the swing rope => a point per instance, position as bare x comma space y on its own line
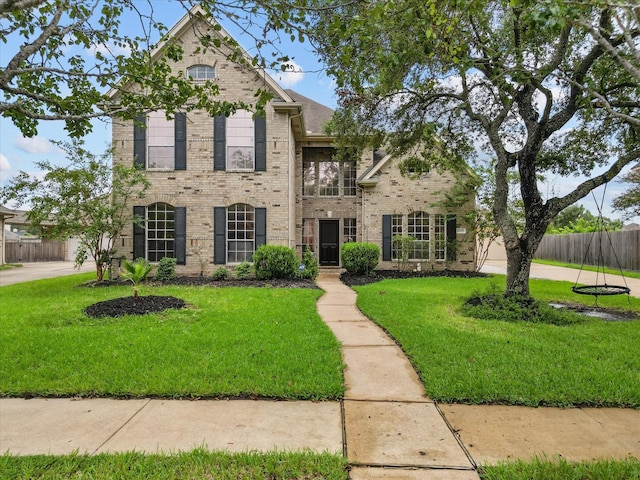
601, 289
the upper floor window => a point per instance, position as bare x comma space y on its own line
160, 142
201, 73
328, 179
240, 141
349, 178
325, 177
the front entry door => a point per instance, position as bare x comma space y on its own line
329, 243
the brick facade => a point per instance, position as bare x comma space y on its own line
278, 190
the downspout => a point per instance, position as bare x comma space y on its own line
292, 184
362, 218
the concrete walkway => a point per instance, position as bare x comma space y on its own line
386, 426
391, 429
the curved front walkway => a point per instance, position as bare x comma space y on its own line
392, 430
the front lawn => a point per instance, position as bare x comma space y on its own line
196, 464
235, 342
560, 469
467, 360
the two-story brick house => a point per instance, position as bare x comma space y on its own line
223, 186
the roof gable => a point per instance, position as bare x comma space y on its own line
195, 14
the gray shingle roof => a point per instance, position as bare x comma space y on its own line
315, 114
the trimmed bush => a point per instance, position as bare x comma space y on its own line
360, 258
243, 270
274, 261
166, 269
310, 264
220, 274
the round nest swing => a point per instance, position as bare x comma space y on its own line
601, 290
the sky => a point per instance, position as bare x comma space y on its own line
20, 154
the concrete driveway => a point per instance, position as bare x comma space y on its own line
38, 270
584, 277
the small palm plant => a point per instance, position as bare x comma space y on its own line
136, 272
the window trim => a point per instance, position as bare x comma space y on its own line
240, 117
201, 80
160, 116
311, 172
229, 231
165, 252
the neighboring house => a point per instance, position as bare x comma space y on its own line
223, 186
5, 214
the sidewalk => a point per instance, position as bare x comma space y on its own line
385, 425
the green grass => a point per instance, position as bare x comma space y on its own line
589, 268
196, 464
560, 469
10, 266
466, 360
237, 342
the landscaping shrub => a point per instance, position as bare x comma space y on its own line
243, 270
495, 306
360, 258
136, 272
220, 274
310, 265
166, 269
274, 261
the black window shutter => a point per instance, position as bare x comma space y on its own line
260, 139
451, 237
180, 138
219, 235
386, 238
180, 241
140, 141
219, 142
261, 226
138, 233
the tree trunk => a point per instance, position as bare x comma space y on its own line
519, 258
518, 269
99, 272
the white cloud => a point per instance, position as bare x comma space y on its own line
108, 50
291, 76
34, 145
4, 164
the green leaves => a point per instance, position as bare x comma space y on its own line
86, 199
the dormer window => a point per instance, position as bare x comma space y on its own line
201, 73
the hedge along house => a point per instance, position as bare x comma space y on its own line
223, 186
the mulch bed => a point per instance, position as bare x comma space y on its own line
209, 282
379, 275
119, 307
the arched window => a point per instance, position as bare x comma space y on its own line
160, 230
201, 73
240, 233
418, 228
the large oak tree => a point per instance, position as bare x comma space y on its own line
541, 86
60, 58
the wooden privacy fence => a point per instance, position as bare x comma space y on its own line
26, 251
572, 248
